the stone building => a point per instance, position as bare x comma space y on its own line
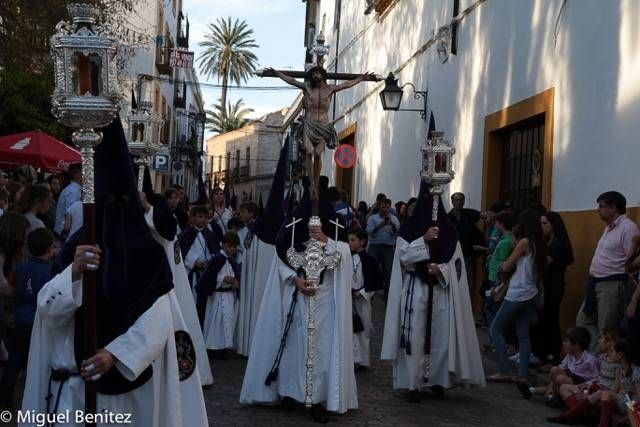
245, 160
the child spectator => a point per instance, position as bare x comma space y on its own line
366, 280
504, 224
609, 364
626, 385
30, 277
218, 297
35, 202
578, 366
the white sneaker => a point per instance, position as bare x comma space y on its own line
534, 360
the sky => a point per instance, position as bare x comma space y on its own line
278, 27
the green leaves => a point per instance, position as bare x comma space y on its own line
228, 54
228, 51
234, 119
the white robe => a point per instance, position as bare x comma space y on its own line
455, 353
256, 263
334, 380
185, 300
361, 339
221, 313
52, 346
197, 252
194, 412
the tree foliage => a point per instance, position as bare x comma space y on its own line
235, 118
228, 54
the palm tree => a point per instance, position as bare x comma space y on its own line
235, 119
228, 54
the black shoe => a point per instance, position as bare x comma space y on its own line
287, 403
413, 396
554, 402
438, 391
319, 414
524, 390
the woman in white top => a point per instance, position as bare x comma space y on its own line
220, 214
527, 262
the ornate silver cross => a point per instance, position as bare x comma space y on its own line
313, 261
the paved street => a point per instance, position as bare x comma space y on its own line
497, 405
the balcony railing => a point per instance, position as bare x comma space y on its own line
244, 171
163, 51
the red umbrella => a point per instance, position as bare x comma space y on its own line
37, 149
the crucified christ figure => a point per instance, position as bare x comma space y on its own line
317, 131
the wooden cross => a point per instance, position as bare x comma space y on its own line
293, 229
338, 225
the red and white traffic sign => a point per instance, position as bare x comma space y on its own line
345, 156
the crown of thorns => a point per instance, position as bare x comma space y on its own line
319, 69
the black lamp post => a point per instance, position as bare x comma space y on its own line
391, 96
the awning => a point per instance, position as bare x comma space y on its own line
38, 150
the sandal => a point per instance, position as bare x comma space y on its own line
500, 378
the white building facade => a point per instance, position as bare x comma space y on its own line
153, 29
245, 160
540, 97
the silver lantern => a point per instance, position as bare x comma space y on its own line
437, 162
86, 89
144, 136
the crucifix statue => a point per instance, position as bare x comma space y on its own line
317, 131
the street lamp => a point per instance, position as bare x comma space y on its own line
391, 96
85, 96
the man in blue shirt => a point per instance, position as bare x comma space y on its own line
30, 277
383, 231
70, 194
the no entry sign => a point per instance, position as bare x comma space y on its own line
345, 156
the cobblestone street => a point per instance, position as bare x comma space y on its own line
497, 405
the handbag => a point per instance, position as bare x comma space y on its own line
499, 291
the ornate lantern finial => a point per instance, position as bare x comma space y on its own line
437, 162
